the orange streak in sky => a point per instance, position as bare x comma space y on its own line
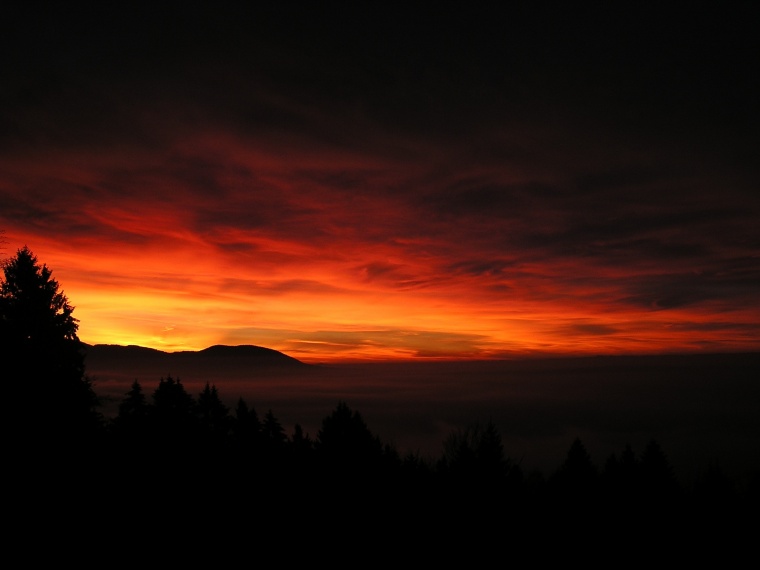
285, 257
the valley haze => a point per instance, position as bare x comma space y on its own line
701, 408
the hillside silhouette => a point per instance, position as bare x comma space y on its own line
241, 355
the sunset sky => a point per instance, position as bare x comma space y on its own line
348, 184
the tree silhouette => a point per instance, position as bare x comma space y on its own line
35, 314
173, 421
39, 334
345, 439
576, 479
272, 430
134, 406
658, 481
475, 470
246, 427
132, 441
476, 453
131, 424
621, 484
350, 461
213, 414
301, 443
171, 400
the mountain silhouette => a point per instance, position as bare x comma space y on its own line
244, 352
245, 356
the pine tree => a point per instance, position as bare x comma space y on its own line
474, 457
134, 405
172, 407
213, 415
576, 480
38, 337
345, 439
272, 431
131, 424
246, 426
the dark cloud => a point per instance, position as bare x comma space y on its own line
749, 329
669, 291
379, 269
647, 250
475, 198
283, 287
63, 216
589, 329
396, 276
480, 268
498, 160
276, 217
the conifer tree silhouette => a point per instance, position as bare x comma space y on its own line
301, 442
350, 459
134, 406
38, 335
173, 422
476, 453
576, 480
246, 426
273, 440
213, 415
345, 439
658, 481
131, 425
272, 430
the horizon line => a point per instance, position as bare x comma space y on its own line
501, 357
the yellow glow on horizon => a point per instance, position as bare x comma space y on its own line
286, 258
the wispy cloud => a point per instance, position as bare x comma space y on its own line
497, 195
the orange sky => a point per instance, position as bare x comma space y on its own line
337, 215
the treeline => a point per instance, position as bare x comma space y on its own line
172, 462
171, 445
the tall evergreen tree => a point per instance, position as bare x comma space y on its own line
576, 480
38, 336
272, 431
173, 416
131, 426
657, 476
476, 454
134, 405
213, 415
246, 425
344, 439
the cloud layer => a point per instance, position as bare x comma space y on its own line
363, 190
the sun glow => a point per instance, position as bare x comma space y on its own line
351, 257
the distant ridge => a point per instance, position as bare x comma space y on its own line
240, 353
121, 351
247, 355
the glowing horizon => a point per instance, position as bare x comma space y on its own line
291, 180
323, 275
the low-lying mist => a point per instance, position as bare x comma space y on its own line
701, 409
